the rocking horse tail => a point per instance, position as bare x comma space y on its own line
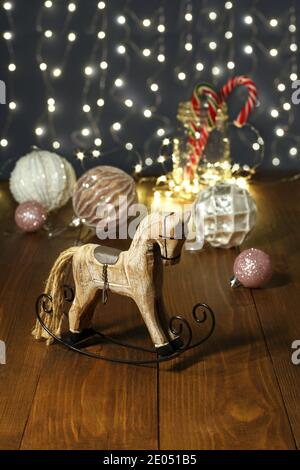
55, 288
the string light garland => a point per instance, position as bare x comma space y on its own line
144, 40
8, 37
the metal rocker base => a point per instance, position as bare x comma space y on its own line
174, 349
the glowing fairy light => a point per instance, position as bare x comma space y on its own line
103, 65
39, 131
274, 113
57, 72
88, 70
216, 70
121, 49
248, 19
72, 7
154, 87
119, 82
280, 132
80, 156
7, 35
248, 49
199, 66
121, 19
128, 102
116, 126
146, 22
4, 142
72, 37
7, 6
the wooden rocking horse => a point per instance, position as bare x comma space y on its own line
136, 273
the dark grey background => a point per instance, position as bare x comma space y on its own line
27, 88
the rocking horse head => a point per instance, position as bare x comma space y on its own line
168, 231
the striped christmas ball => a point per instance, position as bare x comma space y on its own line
44, 177
103, 194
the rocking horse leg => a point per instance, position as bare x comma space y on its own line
80, 316
175, 341
150, 317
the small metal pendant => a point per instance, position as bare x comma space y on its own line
234, 282
105, 284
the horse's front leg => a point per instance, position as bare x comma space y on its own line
147, 307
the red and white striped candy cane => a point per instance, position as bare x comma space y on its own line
227, 89
197, 144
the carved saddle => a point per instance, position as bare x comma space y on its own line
107, 256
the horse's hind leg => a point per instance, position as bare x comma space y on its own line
81, 313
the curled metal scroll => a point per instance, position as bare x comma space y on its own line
177, 325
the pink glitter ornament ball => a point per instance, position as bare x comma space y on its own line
253, 268
30, 216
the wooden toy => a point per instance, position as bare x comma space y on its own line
136, 273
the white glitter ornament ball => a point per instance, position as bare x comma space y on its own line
227, 213
44, 177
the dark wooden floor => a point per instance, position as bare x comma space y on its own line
239, 391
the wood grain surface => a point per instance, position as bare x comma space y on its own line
238, 391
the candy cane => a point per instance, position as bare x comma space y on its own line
197, 144
252, 96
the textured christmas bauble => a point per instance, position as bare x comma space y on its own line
253, 268
44, 177
227, 213
103, 185
30, 216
